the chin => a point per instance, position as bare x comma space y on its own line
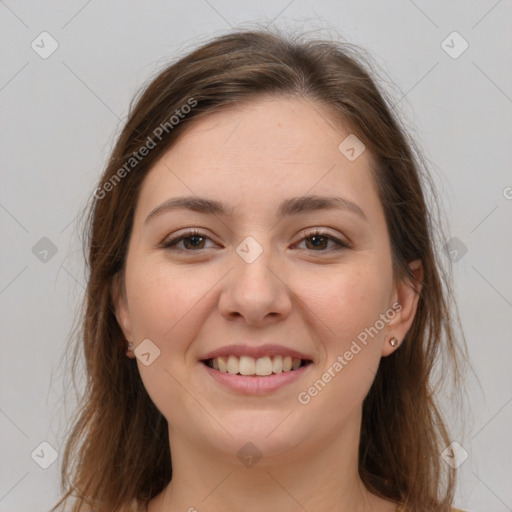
270, 434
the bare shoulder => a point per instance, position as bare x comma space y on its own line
401, 508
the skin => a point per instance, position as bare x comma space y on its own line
294, 294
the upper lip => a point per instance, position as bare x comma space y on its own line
255, 351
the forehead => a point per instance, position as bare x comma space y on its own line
254, 155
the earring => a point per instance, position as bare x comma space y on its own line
393, 341
130, 348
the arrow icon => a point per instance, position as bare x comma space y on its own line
454, 455
351, 147
44, 455
249, 455
249, 253
44, 250
454, 45
147, 352
44, 45
455, 249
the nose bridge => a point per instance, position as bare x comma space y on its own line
253, 263
254, 289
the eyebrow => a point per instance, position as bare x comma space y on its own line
288, 207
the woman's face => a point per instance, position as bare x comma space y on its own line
255, 282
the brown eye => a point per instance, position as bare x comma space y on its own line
319, 241
191, 241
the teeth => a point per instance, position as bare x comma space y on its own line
277, 364
262, 366
233, 364
221, 361
247, 365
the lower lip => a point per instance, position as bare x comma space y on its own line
254, 385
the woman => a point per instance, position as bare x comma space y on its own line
264, 305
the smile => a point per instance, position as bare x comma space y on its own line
251, 366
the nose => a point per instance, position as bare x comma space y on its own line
255, 290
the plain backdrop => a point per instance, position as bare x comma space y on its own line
59, 117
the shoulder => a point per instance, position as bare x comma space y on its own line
401, 508
137, 506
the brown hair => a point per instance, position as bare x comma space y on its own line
119, 440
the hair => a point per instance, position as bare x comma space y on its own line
117, 453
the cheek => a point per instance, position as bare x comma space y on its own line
166, 305
166, 301
348, 304
345, 301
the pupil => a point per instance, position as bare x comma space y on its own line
196, 237
318, 239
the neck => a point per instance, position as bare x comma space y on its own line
321, 477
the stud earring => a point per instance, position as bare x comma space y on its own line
393, 341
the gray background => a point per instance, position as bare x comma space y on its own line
61, 114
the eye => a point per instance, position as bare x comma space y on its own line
194, 240
191, 240
318, 241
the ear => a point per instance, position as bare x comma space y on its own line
121, 310
404, 303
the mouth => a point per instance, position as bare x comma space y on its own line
256, 367
252, 370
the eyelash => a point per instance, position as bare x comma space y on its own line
169, 244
